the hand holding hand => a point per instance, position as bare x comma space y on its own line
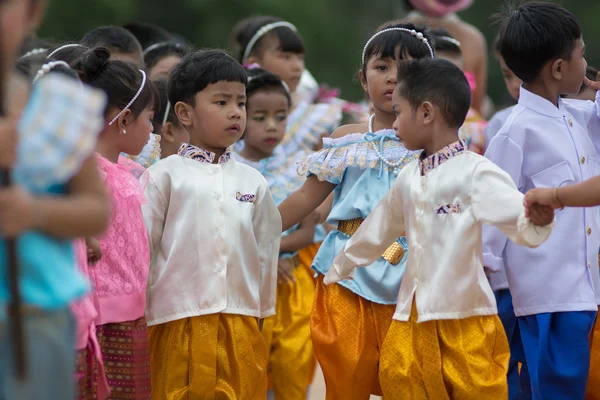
544, 197
541, 215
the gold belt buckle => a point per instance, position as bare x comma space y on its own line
392, 254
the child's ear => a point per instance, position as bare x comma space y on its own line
363, 81
167, 133
428, 112
184, 113
253, 60
556, 69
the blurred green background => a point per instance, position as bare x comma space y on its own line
334, 30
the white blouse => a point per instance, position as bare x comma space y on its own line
442, 201
214, 234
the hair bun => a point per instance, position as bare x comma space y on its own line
92, 63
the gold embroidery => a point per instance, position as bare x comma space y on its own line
393, 254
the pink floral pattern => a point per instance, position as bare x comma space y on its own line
123, 269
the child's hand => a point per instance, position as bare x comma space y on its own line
541, 215
94, 252
8, 142
544, 197
591, 84
18, 212
285, 271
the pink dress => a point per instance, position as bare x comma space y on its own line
120, 280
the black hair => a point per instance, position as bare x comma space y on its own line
534, 34
29, 66
262, 80
439, 82
148, 34
244, 31
199, 69
119, 80
162, 85
32, 42
68, 54
158, 51
445, 42
386, 45
114, 38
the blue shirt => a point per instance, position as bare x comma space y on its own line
541, 145
362, 181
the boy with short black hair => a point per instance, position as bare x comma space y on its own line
214, 233
436, 348
546, 142
119, 41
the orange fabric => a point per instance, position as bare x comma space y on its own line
348, 332
593, 386
307, 256
216, 357
458, 359
292, 363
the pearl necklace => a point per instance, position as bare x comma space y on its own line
387, 162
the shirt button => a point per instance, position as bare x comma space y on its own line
588, 265
582, 159
219, 234
570, 122
589, 231
218, 196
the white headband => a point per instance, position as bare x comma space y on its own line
285, 85
263, 31
66, 46
132, 100
34, 52
418, 35
161, 44
450, 40
166, 113
46, 68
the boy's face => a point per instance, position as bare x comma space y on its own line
218, 119
407, 125
18, 18
513, 83
573, 70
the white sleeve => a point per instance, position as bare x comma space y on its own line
154, 212
267, 231
381, 228
496, 201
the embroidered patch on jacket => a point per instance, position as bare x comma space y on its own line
245, 198
449, 209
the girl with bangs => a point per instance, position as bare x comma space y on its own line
358, 164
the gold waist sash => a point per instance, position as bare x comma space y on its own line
393, 254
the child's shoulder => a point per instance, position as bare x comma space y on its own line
349, 129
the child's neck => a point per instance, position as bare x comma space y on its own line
219, 151
109, 149
441, 140
545, 91
383, 120
254, 154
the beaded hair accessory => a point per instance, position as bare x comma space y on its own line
46, 68
34, 52
418, 35
159, 45
262, 32
66, 46
450, 40
132, 100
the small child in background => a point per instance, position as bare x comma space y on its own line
436, 348
291, 363
513, 85
471, 131
214, 236
119, 41
161, 58
555, 288
172, 132
120, 277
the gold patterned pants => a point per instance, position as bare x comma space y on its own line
461, 359
216, 356
348, 332
292, 362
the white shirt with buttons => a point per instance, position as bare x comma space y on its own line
442, 209
214, 234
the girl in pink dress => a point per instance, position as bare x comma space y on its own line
119, 278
